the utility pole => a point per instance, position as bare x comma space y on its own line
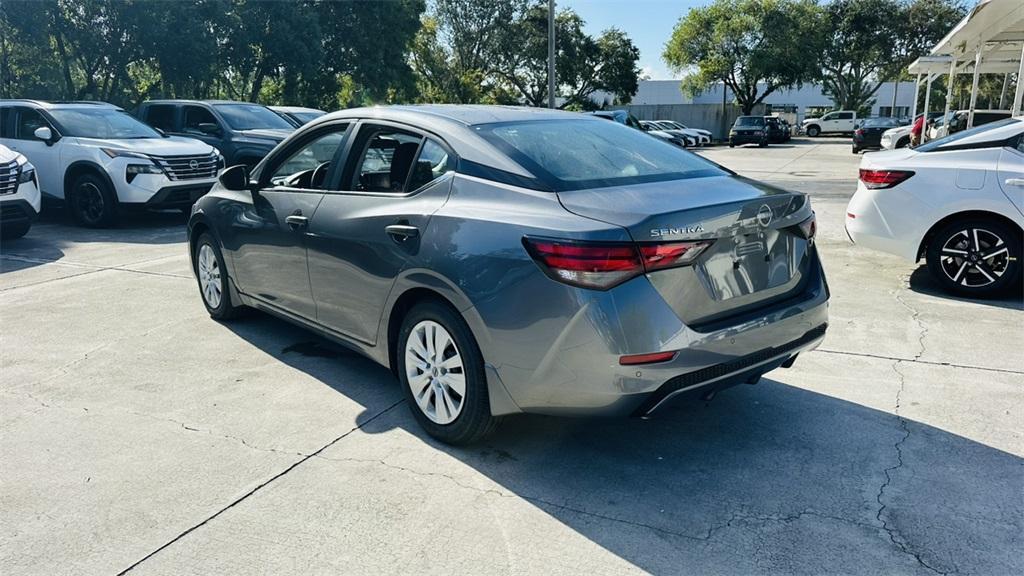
551, 53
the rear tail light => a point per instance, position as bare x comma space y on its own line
602, 265
652, 358
809, 227
859, 131
878, 179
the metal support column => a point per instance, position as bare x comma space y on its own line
974, 88
949, 88
1018, 94
927, 97
917, 90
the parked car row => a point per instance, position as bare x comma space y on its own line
101, 161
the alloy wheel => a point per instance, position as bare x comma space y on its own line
435, 372
90, 203
974, 257
209, 276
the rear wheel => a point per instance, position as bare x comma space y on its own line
442, 375
975, 257
92, 202
213, 279
856, 150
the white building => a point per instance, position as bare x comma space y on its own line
806, 101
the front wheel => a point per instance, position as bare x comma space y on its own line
13, 231
213, 279
975, 258
442, 375
813, 131
92, 203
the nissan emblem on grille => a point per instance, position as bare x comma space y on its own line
193, 164
764, 215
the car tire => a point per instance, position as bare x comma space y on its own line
976, 257
431, 379
732, 144
92, 203
14, 231
813, 131
762, 143
856, 150
212, 278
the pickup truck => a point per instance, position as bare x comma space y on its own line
838, 122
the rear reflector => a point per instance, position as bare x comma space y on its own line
809, 227
602, 265
878, 179
634, 359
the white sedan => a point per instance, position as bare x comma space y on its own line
957, 201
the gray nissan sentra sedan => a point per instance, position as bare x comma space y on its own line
506, 260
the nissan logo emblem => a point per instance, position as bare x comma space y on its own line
194, 164
764, 215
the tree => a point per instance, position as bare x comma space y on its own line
919, 25
754, 47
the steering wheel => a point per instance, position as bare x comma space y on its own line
316, 180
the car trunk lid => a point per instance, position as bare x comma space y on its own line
759, 253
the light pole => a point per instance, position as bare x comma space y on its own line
551, 53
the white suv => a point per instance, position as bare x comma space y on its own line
19, 194
101, 161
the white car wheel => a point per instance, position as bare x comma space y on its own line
208, 271
435, 373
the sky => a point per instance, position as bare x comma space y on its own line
648, 23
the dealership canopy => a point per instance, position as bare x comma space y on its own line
989, 40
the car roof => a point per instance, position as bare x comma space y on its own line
295, 109
454, 124
187, 101
53, 105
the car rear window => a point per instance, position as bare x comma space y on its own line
579, 154
881, 123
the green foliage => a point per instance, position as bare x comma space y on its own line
754, 46
310, 52
495, 51
874, 40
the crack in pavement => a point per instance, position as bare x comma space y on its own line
915, 316
89, 269
708, 535
893, 533
913, 361
242, 498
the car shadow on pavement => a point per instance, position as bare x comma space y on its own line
55, 231
921, 281
765, 478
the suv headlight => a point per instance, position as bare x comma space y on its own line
27, 174
133, 170
116, 153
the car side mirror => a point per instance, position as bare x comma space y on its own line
209, 128
45, 134
235, 178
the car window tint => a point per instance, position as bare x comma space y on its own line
386, 161
308, 166
432, 163
577, 154
5, 119
846, 115
161, 116
196, 115
28, 121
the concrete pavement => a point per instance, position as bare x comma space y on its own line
137, 435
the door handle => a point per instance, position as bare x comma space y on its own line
297, 221
1015, 181
402, 232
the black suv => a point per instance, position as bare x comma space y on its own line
749, 130
777, 128
243, 132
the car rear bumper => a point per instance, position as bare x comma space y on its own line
580, 373
886, 220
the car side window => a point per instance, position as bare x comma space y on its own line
432, 163
830, 116
196, 116
28, 121
385, 161
846, 115
308, 167
160, 116
5, 120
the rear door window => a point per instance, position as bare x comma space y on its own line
432, 163
160, 116
845, 116
6, 116
385, 160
